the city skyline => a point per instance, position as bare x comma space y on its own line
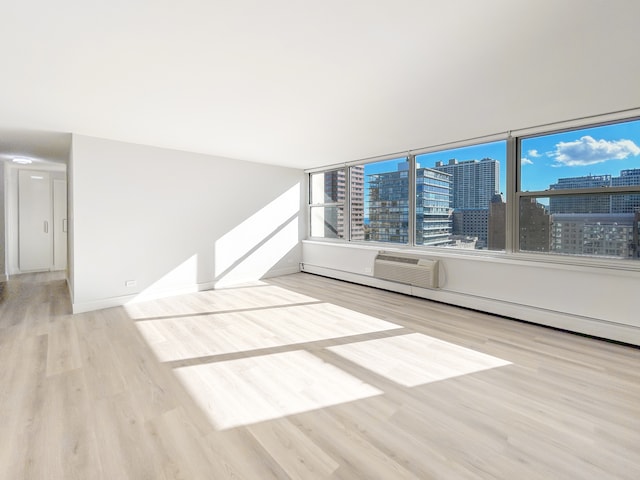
602, 150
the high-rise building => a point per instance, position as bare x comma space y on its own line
389, 206
596, 224
580, 203
472, 223
335, 191
473, 185
535, 226
627, 178
473, 182
635, 248
497, 223
608, 234
433, 211
627, 203
356, 194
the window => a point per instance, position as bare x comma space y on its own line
327, 196
571, 192
380, 201
580, 191
474, 214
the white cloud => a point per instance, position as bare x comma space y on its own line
526, 161
589, 151
534, 153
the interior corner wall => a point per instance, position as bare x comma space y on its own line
148, 222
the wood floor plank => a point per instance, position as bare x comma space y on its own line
65, 445
298, 455
358, 458
63, 353
21, 415
305, 377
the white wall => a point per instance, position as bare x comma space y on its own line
174, 222
591, 300
70, 210
3, 271
58, 171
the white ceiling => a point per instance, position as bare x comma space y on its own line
308, 83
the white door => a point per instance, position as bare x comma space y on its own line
34, 220
59, 224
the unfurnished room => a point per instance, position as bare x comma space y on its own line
320, 240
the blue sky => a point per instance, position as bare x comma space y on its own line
591, 151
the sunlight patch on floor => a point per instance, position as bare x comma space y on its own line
250, 390
220, 300
184, 338
416, 359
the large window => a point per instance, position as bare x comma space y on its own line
570, 192
580, 191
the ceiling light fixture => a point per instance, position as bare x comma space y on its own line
22, 160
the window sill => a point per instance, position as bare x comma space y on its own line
539, 260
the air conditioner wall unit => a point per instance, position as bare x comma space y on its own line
407, 268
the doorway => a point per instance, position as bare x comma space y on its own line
36, 201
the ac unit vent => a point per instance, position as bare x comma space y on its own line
407, 269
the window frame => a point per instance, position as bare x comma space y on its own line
550, 193
343, 204
509, 158
513, 195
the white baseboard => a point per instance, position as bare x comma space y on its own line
110, 302
279, 272
566, 321
92, 305
99, 304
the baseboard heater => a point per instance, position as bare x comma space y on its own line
407, 268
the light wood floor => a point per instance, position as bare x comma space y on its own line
305, 377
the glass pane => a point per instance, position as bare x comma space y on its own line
327, 222
594, 157
458, 198
328, 187
380, 201
578, 225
